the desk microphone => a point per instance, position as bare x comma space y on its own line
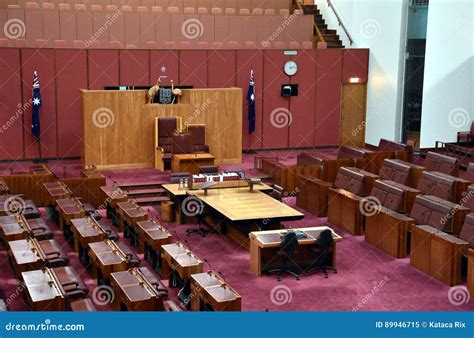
210, 268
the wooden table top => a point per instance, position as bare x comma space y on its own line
180, 254
42, 285
238, 205
69, 206
114, 193
17, 224
211, 285
106, 253
190, 157
56, 188
173, 188
134, 284
30, 250
86, 227
153, 230
127, 205
272, 238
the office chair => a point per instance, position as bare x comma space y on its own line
323, 250
288, 248
277, 192
200, 229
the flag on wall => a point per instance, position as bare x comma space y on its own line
251, 101
36, 106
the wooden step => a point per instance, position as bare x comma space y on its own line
153, 191
141, 185
330, 37
156, 200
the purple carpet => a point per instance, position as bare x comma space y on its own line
367, 278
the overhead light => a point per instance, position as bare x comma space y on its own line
354, 79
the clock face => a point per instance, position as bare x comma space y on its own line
290, 68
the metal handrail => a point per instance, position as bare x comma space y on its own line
339, 21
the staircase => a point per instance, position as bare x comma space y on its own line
147, 193
329, 35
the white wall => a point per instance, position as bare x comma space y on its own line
379, 25
448, 90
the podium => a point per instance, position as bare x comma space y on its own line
119, 125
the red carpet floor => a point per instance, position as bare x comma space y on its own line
367, 278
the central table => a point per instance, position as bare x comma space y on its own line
237, 212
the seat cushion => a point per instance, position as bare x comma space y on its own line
31, 211
467, 230
395, 170
351, 181
436, 185
442, 163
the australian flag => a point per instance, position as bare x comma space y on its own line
251, 101
36, 106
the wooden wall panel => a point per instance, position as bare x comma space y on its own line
193, 68
134, 68
127, 140
328, 97
43, 61
71, 76
246, 60
103, 68
355, 65
88, 188
302, 126
221, 69
11, 106
167, 59
276, 114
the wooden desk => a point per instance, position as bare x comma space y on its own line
16, 227
129, 213
313, 195
106, 257
68, 209
43, 290
237, 212
177, 195
176, 257
56, 191
31, 254
86, 230
344, 211
151, 236
388, 230
209, 289
437, 253
263, 244
190, 163
112, 196
134, 291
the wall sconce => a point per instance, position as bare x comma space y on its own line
354, 79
